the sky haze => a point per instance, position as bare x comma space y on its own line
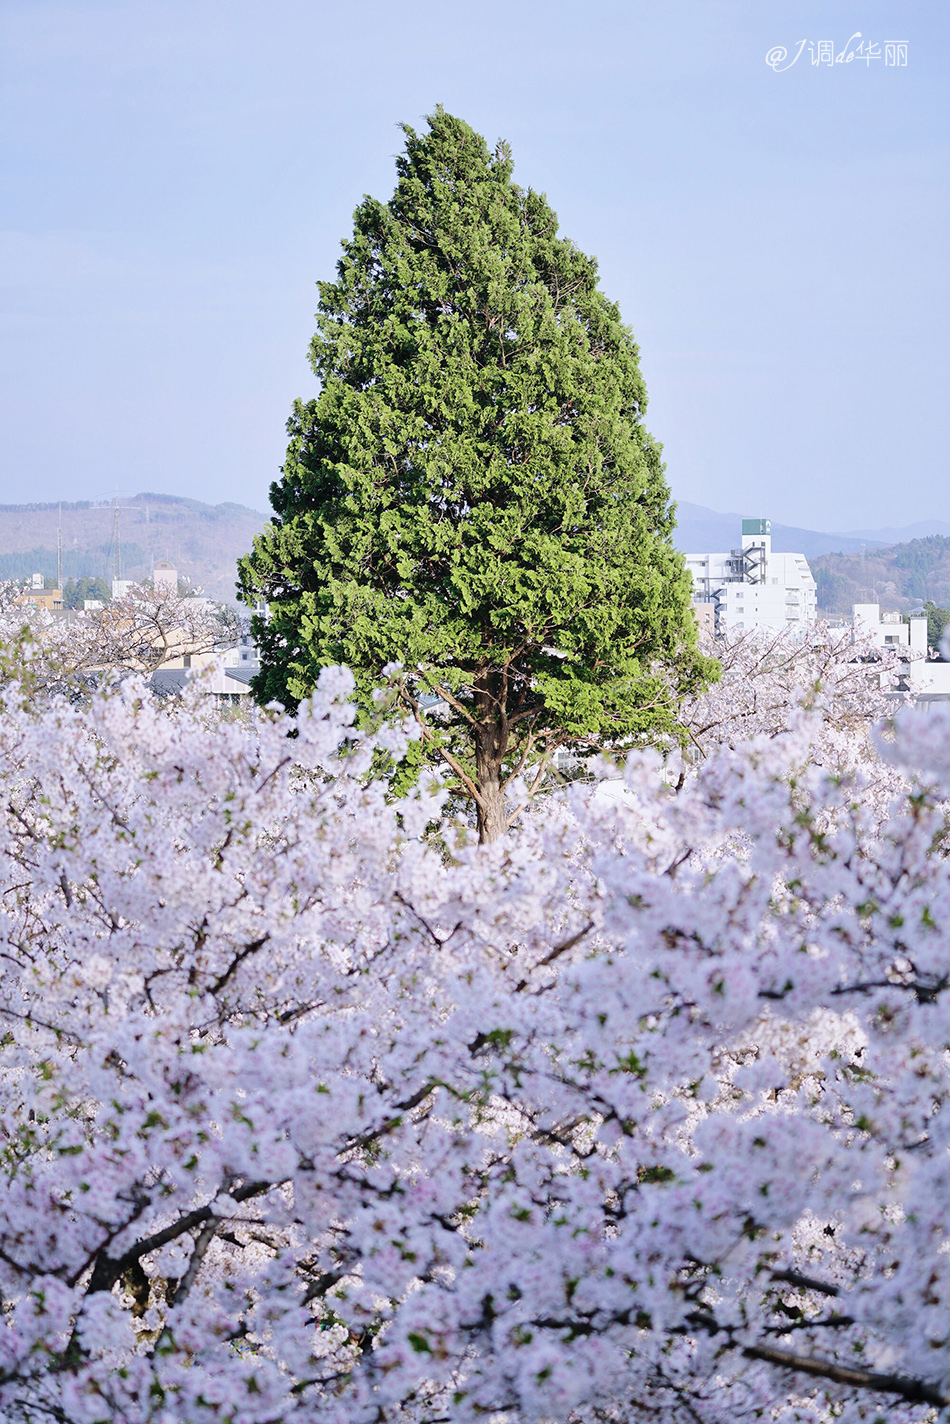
179, 174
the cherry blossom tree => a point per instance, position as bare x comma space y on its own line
312, 1110
137, 633
767, 673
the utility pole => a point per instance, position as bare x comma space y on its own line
59, 549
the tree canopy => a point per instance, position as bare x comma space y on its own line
78, 590
937, 620
473, 494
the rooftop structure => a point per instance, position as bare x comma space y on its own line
37, 595
752, 587
166, 577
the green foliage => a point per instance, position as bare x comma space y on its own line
78, 590
833, 589
937, 620
919, 558
473, 494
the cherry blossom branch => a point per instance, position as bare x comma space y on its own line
914, 1391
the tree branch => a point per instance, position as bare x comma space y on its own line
795, 1278
202, 1242
913, 1390
237, 961
108, 1270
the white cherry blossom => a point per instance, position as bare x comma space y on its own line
313, 1110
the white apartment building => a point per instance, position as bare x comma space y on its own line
888, 630
927, 678
750, 587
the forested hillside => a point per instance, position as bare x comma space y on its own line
203, 541
900, 577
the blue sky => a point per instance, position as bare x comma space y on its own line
177, 174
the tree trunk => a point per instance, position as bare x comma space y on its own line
491, 810
491, 743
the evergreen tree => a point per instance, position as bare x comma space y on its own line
78, 590
473, 494
937, 620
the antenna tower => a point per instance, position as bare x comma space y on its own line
59, 549
116, 546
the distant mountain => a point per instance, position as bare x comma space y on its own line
203, 541
921, 530
702, 530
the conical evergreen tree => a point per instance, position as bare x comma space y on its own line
473, 493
